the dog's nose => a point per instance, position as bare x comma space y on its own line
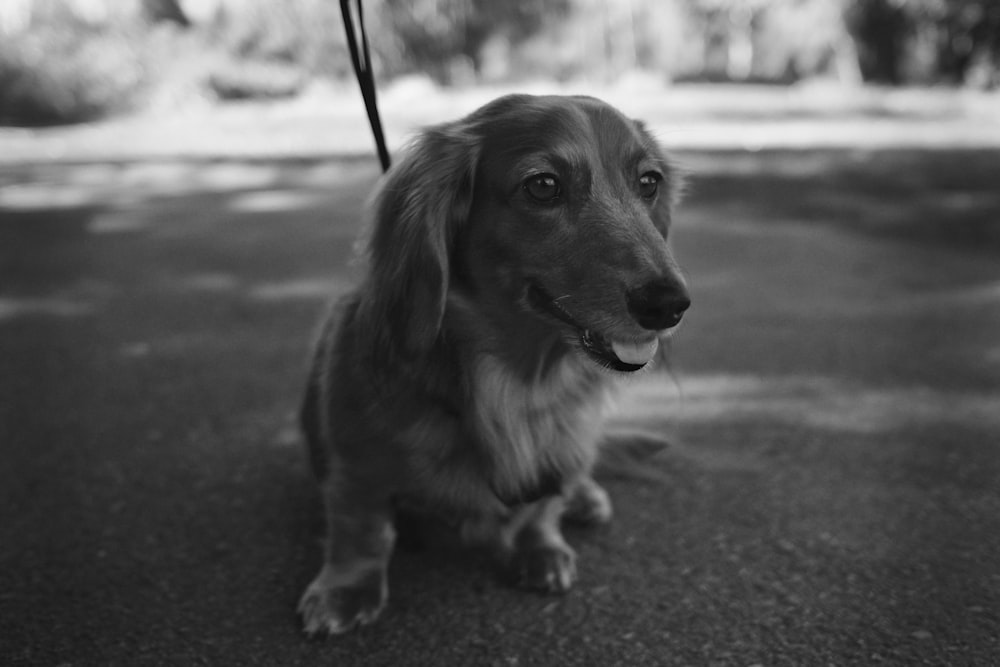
658, 304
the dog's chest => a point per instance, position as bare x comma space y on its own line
543, 427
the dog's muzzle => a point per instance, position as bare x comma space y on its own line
658, 304
623, 356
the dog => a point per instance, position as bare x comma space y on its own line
516, 267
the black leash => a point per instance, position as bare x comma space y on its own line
366, 78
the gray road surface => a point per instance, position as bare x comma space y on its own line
831, 496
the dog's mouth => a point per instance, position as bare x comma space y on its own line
623, 356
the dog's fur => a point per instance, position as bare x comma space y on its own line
463, 376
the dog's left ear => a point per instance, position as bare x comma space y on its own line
422, 203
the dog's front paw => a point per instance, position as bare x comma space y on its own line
334, 603
588, 504
550, 568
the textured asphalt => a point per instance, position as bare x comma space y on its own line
831, 494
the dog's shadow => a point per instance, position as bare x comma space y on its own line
629, 452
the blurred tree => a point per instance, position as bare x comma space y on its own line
903, 41
156, 11
771, 40
806, 38
880, 29
446, 38
729, 28
262, 30
963, 31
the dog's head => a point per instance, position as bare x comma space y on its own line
546, 211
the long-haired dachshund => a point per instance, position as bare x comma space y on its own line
516, 267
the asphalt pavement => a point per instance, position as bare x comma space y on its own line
830, 495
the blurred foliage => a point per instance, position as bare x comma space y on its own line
71, 60
448, 39
924, 41
155, 11
244, 80
67, 70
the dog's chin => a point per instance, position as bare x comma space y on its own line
624, 357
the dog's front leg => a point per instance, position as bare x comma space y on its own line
351, 588
538, 556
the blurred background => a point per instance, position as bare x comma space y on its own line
181, 186
65, 61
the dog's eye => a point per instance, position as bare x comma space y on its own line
543, 188
649, 183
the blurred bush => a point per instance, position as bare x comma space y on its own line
254, 79
270, 50
303, 34
452, 41
67, 71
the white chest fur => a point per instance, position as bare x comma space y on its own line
548, 424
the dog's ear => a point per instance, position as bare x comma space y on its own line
418, 210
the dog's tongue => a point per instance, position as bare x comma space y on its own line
635, 353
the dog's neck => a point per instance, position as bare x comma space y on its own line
527, 347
